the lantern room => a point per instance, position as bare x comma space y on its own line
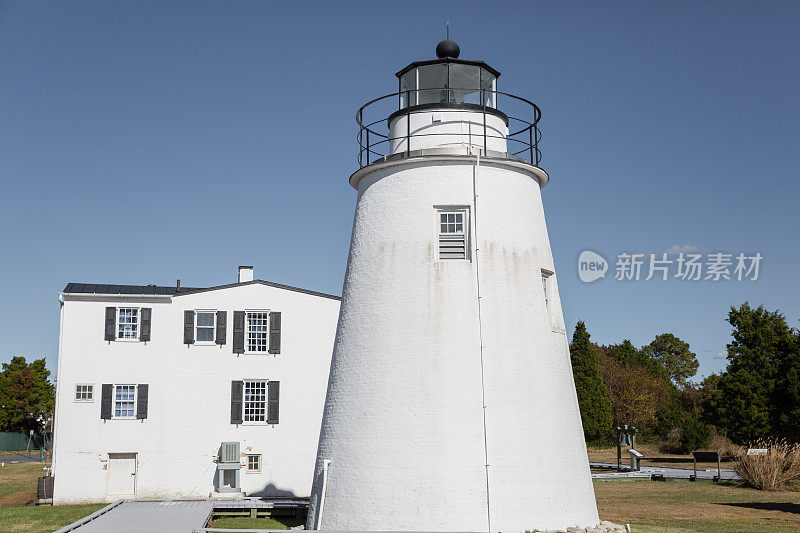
448, 80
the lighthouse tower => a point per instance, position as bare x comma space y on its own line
451, 404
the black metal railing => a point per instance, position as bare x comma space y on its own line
522, 140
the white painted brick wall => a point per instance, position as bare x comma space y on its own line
403, 420
189, 396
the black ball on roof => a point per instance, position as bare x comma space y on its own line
447, 48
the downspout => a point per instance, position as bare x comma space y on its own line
325, 463
58, 382
477, 154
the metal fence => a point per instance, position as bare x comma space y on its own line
33, 446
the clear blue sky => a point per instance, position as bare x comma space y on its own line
146, 141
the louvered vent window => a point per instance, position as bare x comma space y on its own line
453, 234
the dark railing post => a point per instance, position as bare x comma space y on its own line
368, 147
408, 125
530, 142
360, 133
485, 144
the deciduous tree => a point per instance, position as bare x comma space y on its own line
674, 355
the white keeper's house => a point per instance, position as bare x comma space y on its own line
153, 380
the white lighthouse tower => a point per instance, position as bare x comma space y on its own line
451, 404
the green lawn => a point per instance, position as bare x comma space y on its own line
681, 506
255, 523
46, 518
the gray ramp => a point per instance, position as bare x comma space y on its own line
151, 516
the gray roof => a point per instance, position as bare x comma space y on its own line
147, 290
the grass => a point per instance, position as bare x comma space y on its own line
240, 522
681, 506
32, 519
18, 490
648, 506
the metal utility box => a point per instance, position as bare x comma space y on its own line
229, 452
228, 467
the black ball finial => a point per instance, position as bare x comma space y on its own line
447, 48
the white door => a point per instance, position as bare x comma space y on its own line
121, 476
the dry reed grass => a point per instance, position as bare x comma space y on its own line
779, 469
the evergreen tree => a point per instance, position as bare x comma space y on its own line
26, 395
592, 399
745, 404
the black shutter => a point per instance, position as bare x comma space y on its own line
237, 393
144, 328
105, 401
188, 327
141, 401
273, 397
238, 332
274, 333
111, 322
222, 327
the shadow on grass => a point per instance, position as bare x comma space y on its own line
793, 508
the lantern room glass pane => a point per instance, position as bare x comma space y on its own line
433, 84
465, 83
455, 83
408, 85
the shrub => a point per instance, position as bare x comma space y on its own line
778, 470
695, 435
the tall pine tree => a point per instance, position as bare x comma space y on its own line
594, 403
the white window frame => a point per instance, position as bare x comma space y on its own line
548, 279
253, 470
90, 391
138, 325
455, 210
114, 401
247, 331
265, 402
213, 340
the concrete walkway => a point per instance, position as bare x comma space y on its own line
169, 516
670, 472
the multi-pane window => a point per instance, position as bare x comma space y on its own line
128, 323
255, 401
204, 326
84, 393
257, 331
124, 401
254, 463
546, 285
452, 234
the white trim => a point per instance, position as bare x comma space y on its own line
463, 211
213, 340
246, 422
260, 463
114, 400
138, 324
75, 393
247, 330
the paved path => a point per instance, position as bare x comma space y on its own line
672, 472
168, 516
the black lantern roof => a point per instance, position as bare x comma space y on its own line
448, 51
415, 64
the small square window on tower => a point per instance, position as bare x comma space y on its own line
453, 228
